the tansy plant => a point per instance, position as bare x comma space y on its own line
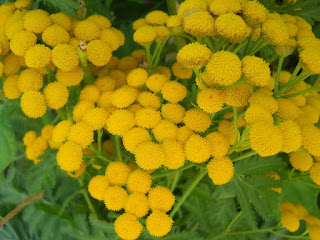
205, 131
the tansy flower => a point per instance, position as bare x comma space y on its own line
309, 42
219, 7
10, 87
137, 204
275, 32
164, 71
173, 91
219, 144
105, 83
180, 71
139, 54
257, 113
137, 77
254, 12
265, 100
256, 70
70, 78
301, 160
81, 133
174, 154
127, 63
11, 64
160, 198
149, 155
61, 131
87, 30
124, 96
199, 24
314, 173
117, 173
38, 56
113, 63
61, 19
184, 134
165, 130
54, 35
22, 41
98, 52
97, 187
147, 117
80, 109
302, 211
79, 172
69, 156
292, 29
29, 138
120, 122
127, 226
224, 68
120, 76
36, 21
188, 7
162, 32
134, 137
139, 181
287, 109
291, 136
314, 232
56, 95
173, 112
226, 128
115, 198
158, 224
46, 131
155, 82
30, 79
134, 107
311, 113
157, 17
194, 55
197, 120
14, 24
197, 149
105, 99
288, 206
90, 93
65, 57
311, 139
290, 221
174, 21
33, 104
100, 20
1, 68
145, 35
220, 170
210, 100
310, 59
139, 23
96, 118
148, 99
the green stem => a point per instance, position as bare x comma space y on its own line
256, 44
295, 72
254, 231
291, 172
239, 46
187, 192
248, 43
293, 83
169, 172
86, 197
235, 119
67, 201
97, 154
311, 89
171, 5
240, 81
157, 59
310, 184
118, 147
158, 44
100, 132
261, 45
244, 156
147, 47
233, 221
175, 181
276, 84
288, 236
198, 75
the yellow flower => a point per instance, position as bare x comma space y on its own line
158, 224
38, 56
314, 173
301, 160
254, 12
87, 30
160, 198
137, 77
80, 109
291, 136
96, 118
198, 149
55, 34
165, 130
70, 78
220, 170
90, 93
81, 133
134, 137
10, 87
314, 232
69, 156
302, 211
105, 83
149, 155
197, 120
173, 112
164, 71
139, 23
33, 104
156, 81
60, 132
139, 181
117, 173
147, 117
180, 71
22, 41
275, 32
46, 131
194, 55
105, 99
98, 52
29, 138
257, 113
256, 70
120, 122
226, 128
224, 68
148, 99
290, 221
128, 227
265, 100
100, 20
65, 57
188, 7
1, 68
287, 109
56, 95
219, 144
174, 154
309, 42
139, 55
174, 21
124, 96
288, 207
61, 19
184, 134
97, 187
219, 7
145, 35
211, 100
30, 79
11, 64
111, 38
162, 33
79, 172
36, 21
157, 18
115, 198
310, 59
311, 113
127, 63
173, 91
137, 204
199, 24
311, 139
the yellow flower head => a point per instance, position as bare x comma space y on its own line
33, 104
117, 173
275, 32
198, 149
290, 221
124, 96
219, 144
164, 71
30, 79
180, 71
160, 198
149, 155
145, 35
148, 99
139, 55
226, 128
115, 198
231, 27
96, 118
174, 21
309, 42
127, 226
314, 232
1, 68
302, 211
120, 122
265, 138
134, 137
87, 30
137, 205
257, 113
97, 187
219, 7
265, 100
292, 29
287, 109
211, 100
256, 70
254, 12
90, 93
100, 20
127, 63
80, 109
220, 170
105, 83
61, 19
173, 91
61, 131
288, 207
98, 52
36, 21
147, 117
197, 120
139, 181
165, 130
194, 55
70, 78
139, 23
314, 173
105, 99
173, 112
29, 138
55, 34
174, 154
65, 57
291, 136
310, 59
188, 7
311, 113
157, 18
134, 108
301, 160
81, 133
38, 56
184, 134
311, 139
137, 77
224, 68
22, 41
111, 38
156, 81
10, 87
46, 131
162, 33
56, 95
199, 24
158, 224
69, 156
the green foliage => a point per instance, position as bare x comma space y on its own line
68, 6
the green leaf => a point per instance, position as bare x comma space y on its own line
8, 145
67, 6
224, 210
106, 227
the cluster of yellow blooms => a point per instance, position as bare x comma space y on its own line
267, 113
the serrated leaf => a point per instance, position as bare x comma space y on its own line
99, 225
67, 6
224, 210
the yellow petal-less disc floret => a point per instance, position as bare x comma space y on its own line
38, 56
33, 104
156, 81
98, 52
311, 139
80, 109
174, 21
65, 57
105, 99
164, 71
149, 155
29, 138
124, 96
301, 160
145, 35
117, 173
199, 24
61, 131
210, 100
290, 221
147, 117
36, 21
120, 122
134, 137
310, 59
87, 30
238, 96
291, 136
137, 204
194, 55
55, 34
128, 227
220, 170
174, 154
158, 224
137, 77
61, 19
111, 38
82, 134
139, 23
69, 156
157, 18
180, 71
256, 70
165, 130
30, 79
197, 120
97, 187
22, 41
15, 23
197, 149
160, 198
56, 95
257, 113
314, 173
102, 21
314, 232
70, 78
254, 12
105, 83
139, 181
127, 63
265, 100
10, 87
287, 109
148, 99
46, 131
188, 7
224, 68
11, 64
219, 7
219, 144
115, 198
90, 93
173, 112
96, 118
173, 91
275, 32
